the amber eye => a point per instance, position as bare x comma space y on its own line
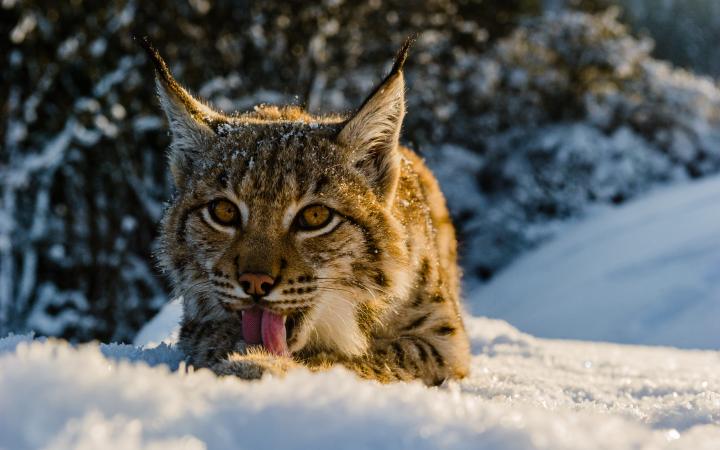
223, 212
314, 217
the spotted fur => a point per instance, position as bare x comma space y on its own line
377, 292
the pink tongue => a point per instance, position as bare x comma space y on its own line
267, 327
273, 333
251, 319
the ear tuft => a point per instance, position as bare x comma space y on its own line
192, 123
373, 133
402, 54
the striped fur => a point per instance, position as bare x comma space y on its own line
377, 291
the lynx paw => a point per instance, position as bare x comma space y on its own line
253, 365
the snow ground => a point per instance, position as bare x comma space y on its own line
647, 272
524, 393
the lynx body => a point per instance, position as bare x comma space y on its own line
297, 240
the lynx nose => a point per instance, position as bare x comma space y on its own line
256, 284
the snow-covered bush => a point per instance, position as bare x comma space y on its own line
568, 110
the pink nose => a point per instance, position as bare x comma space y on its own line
256, 284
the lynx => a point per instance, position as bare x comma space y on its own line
298, 240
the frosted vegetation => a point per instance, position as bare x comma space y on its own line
570, 111
526, 126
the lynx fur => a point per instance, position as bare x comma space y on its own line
342, 232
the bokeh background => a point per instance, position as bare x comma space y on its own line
529, 111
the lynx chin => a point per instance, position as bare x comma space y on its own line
300, 240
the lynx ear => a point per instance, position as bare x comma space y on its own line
372, 134
192, 123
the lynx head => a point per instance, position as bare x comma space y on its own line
285, 218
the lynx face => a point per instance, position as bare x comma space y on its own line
285, 219
285, 201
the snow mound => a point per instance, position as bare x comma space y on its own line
644, 273
524, 393
164, 327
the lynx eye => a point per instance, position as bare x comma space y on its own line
314, 217
224, 212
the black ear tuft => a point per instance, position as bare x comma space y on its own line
402, 54
373, 133
396, 69
170, 89
192, 122
160, 66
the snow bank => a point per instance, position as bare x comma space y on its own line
164, 327
524, 393
645, 273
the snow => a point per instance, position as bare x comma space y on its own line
524, 393
645, 273
164, 327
